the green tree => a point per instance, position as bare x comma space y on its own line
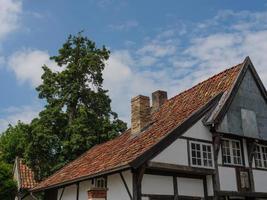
7, 185
77, 114
13, 142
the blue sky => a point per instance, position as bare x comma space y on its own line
155, 44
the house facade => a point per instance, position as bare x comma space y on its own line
208, 142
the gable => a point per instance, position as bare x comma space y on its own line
177, 152
247, 114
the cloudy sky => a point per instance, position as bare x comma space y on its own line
169, 45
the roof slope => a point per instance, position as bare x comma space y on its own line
124, 149
26, 176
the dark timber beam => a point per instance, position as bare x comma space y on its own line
137, 182
62, 192
126, 186
251, 146
179, 169
217, 140
175, 187
77, 192
243, 194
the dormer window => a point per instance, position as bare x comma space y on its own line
231, 152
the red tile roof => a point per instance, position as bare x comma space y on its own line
124, 149
26, 176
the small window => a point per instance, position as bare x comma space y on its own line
201, 154
261, 156
231, 150
100, 183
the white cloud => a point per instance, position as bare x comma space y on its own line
125, 79
27, 65
10, 11
157, 50
12, 115
174, 66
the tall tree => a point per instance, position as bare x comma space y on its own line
78, 114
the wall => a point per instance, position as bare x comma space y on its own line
70, 192
199, 131
210, 185
260, 177
190, 187
227, 176
116, 188
153, 184
176, 153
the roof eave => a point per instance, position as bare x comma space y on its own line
84, 178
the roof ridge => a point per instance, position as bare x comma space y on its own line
206, 80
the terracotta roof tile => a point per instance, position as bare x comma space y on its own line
26, 175
125, 149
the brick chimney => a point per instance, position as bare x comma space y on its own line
158, 99
140, 116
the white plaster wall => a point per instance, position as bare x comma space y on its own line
176, 153
260, 178
227, 176
210, 185
199, 131
152, 184
70, 192
116, 188
190, 187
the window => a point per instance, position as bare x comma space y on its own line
201, 154
100, 183
261, 156
231, 150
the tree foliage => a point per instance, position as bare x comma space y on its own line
13, 142
77, 114
7, 185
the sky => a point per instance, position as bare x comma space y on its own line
169, 45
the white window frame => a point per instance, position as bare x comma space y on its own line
262, 161
201, 154
231, 152
102, 180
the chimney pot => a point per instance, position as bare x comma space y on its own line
158, 99
140, 113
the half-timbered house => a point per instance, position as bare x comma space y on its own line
208, 142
